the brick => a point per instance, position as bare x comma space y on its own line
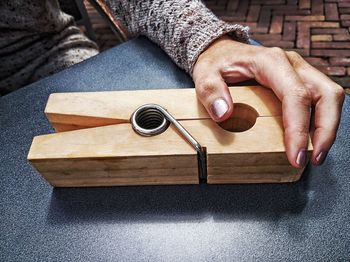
316, 61
267, 37
343, 37
305, 18
304, 4
291, 11
253, 13
332, 70
345, 23
282, 44
232, 5
318, 38
345, 4
321, 24
345, 17
276, 25
242, 7
268, 2
344, 10
331, 45
331, 11
282, 7
288, 10
322, 31
330, 52
343, 61
303, 40
317, 7
289, 31
265, 17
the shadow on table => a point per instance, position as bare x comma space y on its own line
268, 202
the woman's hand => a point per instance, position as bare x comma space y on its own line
297, 84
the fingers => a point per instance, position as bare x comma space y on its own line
213, 93
328, 99
327, 115
274, 70
296, 107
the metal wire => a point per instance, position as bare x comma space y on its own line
153, 119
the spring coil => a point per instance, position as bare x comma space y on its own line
153, 119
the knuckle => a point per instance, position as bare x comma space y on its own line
276, 52
296, 60
339, 93
205, 88
267, 56
302, 96
294, 55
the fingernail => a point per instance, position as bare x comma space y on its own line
321, 157
301, 158
219, 107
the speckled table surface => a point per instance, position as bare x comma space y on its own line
304, 221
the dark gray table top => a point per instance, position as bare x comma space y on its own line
303, 221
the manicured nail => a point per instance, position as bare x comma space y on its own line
301, 158
219, 107
321, 157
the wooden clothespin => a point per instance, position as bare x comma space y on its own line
96, 145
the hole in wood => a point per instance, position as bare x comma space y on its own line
242, 119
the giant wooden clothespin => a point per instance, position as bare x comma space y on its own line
96, 145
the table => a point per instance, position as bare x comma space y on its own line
303, 221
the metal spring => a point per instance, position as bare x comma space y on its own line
148, 120
153, 119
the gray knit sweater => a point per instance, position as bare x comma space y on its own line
37, 39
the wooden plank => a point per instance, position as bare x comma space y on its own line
259, 151
118, 154
113, 155
254, 178
108, 141
117, 181
251, 168
70, 111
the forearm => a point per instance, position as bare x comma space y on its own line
182, 28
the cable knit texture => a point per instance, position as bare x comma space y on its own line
37, 39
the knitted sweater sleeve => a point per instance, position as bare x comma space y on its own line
183, 28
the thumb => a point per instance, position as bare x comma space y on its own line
215, 96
